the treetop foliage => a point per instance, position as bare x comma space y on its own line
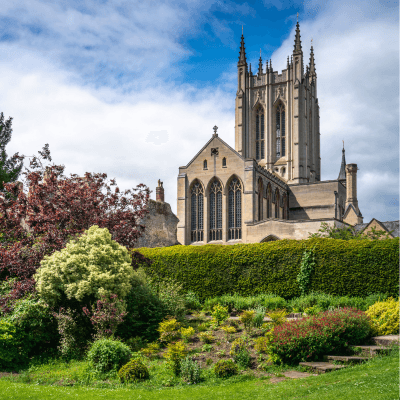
42, 215
10, 168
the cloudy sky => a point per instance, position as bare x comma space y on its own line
133, 88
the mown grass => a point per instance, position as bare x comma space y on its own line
377, 379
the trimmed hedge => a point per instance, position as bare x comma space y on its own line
343, 267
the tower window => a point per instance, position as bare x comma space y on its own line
224, 162
205, 164
235, 210
260, 133
280, 132
197, 197
216, 210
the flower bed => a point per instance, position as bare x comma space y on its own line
326, 333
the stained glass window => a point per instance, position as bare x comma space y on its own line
216, 210
235, 210
197, 206
280, 131
259, 133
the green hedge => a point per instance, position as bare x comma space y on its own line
352, 267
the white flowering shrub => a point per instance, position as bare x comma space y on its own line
87, 268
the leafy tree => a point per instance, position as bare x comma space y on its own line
55, 208
10, 168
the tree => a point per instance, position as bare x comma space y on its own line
9, 168
53, 209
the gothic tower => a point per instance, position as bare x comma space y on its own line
277, 116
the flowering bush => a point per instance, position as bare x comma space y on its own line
87, 268
384, 317
310, 338
106, 315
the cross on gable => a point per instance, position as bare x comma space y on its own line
215, 129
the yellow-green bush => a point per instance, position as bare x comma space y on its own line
384, 317
91, 266
225, 368
342, 267
246, 318
206, 337
220, 314
187, 333
133, 371
174, 355
169, 330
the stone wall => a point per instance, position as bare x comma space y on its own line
161, 226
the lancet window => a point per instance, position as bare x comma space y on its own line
280, 131
235, 210
197, 209
269, 201
277, 199
216, 210
260, 199
260, 133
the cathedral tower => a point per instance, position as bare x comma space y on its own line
277, 116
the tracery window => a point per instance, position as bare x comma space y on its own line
260, 133
197, 206
216, 210
260, 199
277, 203
280, 132
235, 210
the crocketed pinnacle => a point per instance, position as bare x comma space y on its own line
342, 173
260, 66
242, 53
297, 41
312, 63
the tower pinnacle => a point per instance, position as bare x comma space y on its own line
242, 52
297, 41
312, 62
260, 67
342, 173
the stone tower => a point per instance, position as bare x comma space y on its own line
277, 116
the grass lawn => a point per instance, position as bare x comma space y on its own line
377, 379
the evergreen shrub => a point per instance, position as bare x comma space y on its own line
133, 371
190, 371
342, 267
106, 355
225, 369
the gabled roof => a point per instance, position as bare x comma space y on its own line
349, 207
212, 138
388, 226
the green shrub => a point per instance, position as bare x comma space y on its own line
247, 319
225, 368
190, 371
175, 353
314, 310
107, 354
192, 301
10, 355
384, 317
88, 267
220, 314
277, 317
261, 345
133, 371
259, 315
203, 327
240, 353
308, 339
342, 267
151, 349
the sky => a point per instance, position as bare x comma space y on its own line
132, 89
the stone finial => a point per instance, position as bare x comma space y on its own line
215, 128
312, 62
160, 192
260, 67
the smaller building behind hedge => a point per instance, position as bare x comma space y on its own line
352, 268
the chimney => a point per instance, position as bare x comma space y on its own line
351, 186
160, 192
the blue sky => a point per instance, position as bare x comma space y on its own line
133, 89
